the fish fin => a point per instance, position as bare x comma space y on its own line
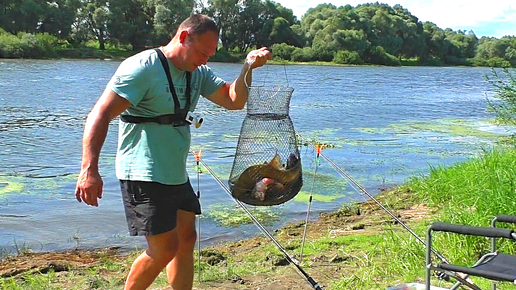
276, 162
292, 161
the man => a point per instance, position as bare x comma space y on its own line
151, 158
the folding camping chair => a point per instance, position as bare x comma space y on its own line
494, 266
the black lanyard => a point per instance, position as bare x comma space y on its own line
177, 105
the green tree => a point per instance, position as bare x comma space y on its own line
133, 21
275, 26
510, 55
314, 19
92, 20
435, 42
347, 57
22, 16
385, 25
490, 47
58, 17
281, 32
410, 30
324, 46
250, 31
226, 14
168, 16
462, 45
252, 23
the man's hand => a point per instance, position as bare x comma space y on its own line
89, 187
258, 57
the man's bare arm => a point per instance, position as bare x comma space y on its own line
234, 96
89, 183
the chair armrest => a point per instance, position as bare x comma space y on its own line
491, 232
503, 218
472, 231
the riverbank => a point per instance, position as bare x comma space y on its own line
359, 246
336, 245
223, 56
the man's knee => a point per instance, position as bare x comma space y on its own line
187, 239
163, 248
163, 255
186, 232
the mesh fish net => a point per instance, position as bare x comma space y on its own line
267, 166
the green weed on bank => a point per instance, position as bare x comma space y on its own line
470, 193
474, 191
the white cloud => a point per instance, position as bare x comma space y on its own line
494, 17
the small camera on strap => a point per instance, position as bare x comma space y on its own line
193, 119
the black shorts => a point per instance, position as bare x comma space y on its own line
151, 207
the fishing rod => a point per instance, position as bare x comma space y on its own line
300, 270
199, 171
354, 182
317, 161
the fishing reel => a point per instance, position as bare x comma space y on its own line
193, 119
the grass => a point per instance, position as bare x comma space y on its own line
378, 253
474, 191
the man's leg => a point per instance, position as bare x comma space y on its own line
180, 271
161, 250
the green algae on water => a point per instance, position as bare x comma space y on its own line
231, 216
453, 127
304, 196
10, 187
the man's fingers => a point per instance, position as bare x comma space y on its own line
90, 198
89, 188
78, 194
259, 57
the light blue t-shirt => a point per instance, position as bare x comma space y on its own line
151, 151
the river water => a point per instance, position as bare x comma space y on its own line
385, 124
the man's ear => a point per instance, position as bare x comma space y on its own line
182, 36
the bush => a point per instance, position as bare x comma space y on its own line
347, 57
458, 60
222, 55
47, 43
378, 55
322, 54
302, 54
10, 46
498, 62
27, 45
492, 62
282, 51
504, 103
431, 61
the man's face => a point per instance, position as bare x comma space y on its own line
199, 49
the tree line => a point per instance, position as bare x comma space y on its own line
371, 33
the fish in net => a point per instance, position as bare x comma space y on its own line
267, 167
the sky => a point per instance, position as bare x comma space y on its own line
494, 18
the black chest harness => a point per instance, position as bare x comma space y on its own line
179, 118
